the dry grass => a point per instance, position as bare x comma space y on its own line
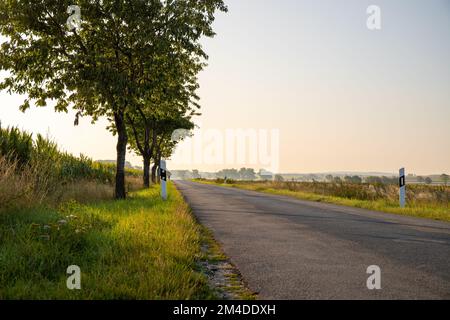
133, 183
18, 187
27, 186
85, 191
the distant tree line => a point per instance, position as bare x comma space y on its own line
347, 179
249, 174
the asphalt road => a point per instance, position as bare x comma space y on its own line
292, 249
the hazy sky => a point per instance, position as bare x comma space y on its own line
342, 96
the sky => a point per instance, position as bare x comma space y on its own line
341, 97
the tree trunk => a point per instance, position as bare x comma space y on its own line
122, 140
147, 161
154, 172
159, 172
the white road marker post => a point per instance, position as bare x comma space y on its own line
402, 185
163, 175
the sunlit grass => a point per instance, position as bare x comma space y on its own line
140, 248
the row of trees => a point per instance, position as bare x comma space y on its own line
347, 179
426, 180
246, 174
443, 177
133, 62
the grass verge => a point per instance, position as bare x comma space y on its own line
223, 276
429, 211
141, 248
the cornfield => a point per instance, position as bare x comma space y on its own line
34, 171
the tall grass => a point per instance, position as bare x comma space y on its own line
19, 146
35, 171
34, 185
16, 145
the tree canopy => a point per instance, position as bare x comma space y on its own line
118, 60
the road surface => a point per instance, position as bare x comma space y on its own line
292, 249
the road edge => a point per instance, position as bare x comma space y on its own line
223, 276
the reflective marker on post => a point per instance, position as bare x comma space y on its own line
163, 175
402, 185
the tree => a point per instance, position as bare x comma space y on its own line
420, 179
250, 174
348, 179
229, 173
151, 130
164, 150
374, 180
353, 179
337, 180
357, 179
104, 67
183, 174
329, 178
247, 174
164, 143
428, 180
279, 178
196, 174
172, 99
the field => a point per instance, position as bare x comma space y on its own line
422, 200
